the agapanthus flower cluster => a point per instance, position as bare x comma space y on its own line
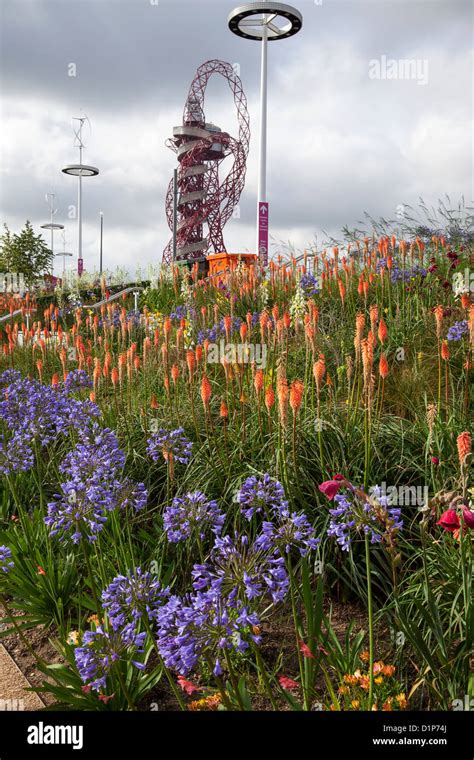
77, 380
129, 598
458, 330
213, 333
36, 415
289, 530
94, 486
192, 514
15, 454
203, 625
282, 530
170, 444
309, 283
6, 562
357, 513
242, 571
101, 649
261, 496
398, 274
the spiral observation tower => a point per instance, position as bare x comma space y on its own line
206, 201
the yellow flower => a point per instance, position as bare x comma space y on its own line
355, 704
379, 679
343, 690
350, 679
364, 656
93, 619
402, 700
73, 637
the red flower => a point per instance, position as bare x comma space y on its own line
331, 487
86, 688
434, 460
41, 571
104, 698
288, 683
305, 650
187, 686
468, 517
449, 520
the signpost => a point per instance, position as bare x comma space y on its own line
263, 232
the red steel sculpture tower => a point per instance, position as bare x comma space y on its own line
205, 200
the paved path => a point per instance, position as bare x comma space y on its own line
13, 685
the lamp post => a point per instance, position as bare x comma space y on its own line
80, 170
50, 226
264, 22
101, 240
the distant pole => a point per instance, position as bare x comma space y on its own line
175, 211
101, 239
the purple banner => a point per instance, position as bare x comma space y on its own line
263, 233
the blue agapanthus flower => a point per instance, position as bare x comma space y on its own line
309, 284
261, 496
101, 649
202, 626
129, 598
6, 562
355, 515
242, 571
192, 514
170, 442
458, 330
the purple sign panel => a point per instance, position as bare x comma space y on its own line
263, 233
80, 266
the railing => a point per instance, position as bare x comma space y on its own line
97, 305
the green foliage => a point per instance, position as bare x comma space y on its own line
25, 253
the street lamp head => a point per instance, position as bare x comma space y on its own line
80, 170
281, 21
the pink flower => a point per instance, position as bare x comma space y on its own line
305, 650
288, 683
449, 520
187, 686
330, 488
468, 517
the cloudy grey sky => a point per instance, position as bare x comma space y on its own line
340, 142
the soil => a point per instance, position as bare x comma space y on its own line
277, 642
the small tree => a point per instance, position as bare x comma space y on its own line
25, 254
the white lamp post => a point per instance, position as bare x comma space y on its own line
50, 226
264, 22
80, 170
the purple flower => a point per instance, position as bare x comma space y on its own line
457, 330
5, 559
192, 514
200, 626
357, 513
93, 488
76, 381
309, 284
242, 571
262, 495
290, 530
36, 415
130, 597
16, 454
170, 442
102, 649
